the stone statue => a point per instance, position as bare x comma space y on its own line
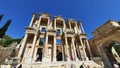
50, 25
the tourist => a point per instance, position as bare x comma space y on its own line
37, 58
72, 66
84, 66
81, 66
115, 65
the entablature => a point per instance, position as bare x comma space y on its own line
110, 25
31, 30
69, 31
44, 14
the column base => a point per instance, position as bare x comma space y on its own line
68, 59
27, 60
76, 59
87, 58
54, 60
44, 59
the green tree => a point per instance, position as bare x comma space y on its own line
1, 16
4, 28
117, 48
7, 42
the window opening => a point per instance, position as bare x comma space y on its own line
58, 32
43, 30
39, 55
42, 40
58, 41
59, 53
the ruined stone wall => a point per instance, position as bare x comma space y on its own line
7, 52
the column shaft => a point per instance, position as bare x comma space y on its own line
35, 51
33, 17
64, 25
75, 28
85, 56
72, 54
45, 48
33, 46
75, 54
63, 53
69, 24
88, 46
67, 49
55, 24
54, 54
39, 22
46, 43
82, 28
34, 55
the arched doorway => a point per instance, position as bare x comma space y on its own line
59, 53
109, 54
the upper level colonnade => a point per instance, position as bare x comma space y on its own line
44, 21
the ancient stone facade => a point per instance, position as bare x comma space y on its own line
103, 42
56, 43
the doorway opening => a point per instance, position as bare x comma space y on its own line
39, 55
59, 53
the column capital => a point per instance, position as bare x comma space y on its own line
35, 33
26, 33
55, 35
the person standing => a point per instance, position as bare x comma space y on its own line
84, 66
115, 65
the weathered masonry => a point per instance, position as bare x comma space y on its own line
56, 43
104, 42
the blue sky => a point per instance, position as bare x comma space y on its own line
92, 13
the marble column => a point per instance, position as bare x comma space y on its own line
34, 55
85, 56
75, 28
82, 28
31, 23
45, 48
64, 25
78, 52
55, 24
49, 25
67, 49
54, 51
33, 46
72, 54
69, 24
74, 49
35, 51
63, 53
88, 46
39, 22
100, 50
22, 46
